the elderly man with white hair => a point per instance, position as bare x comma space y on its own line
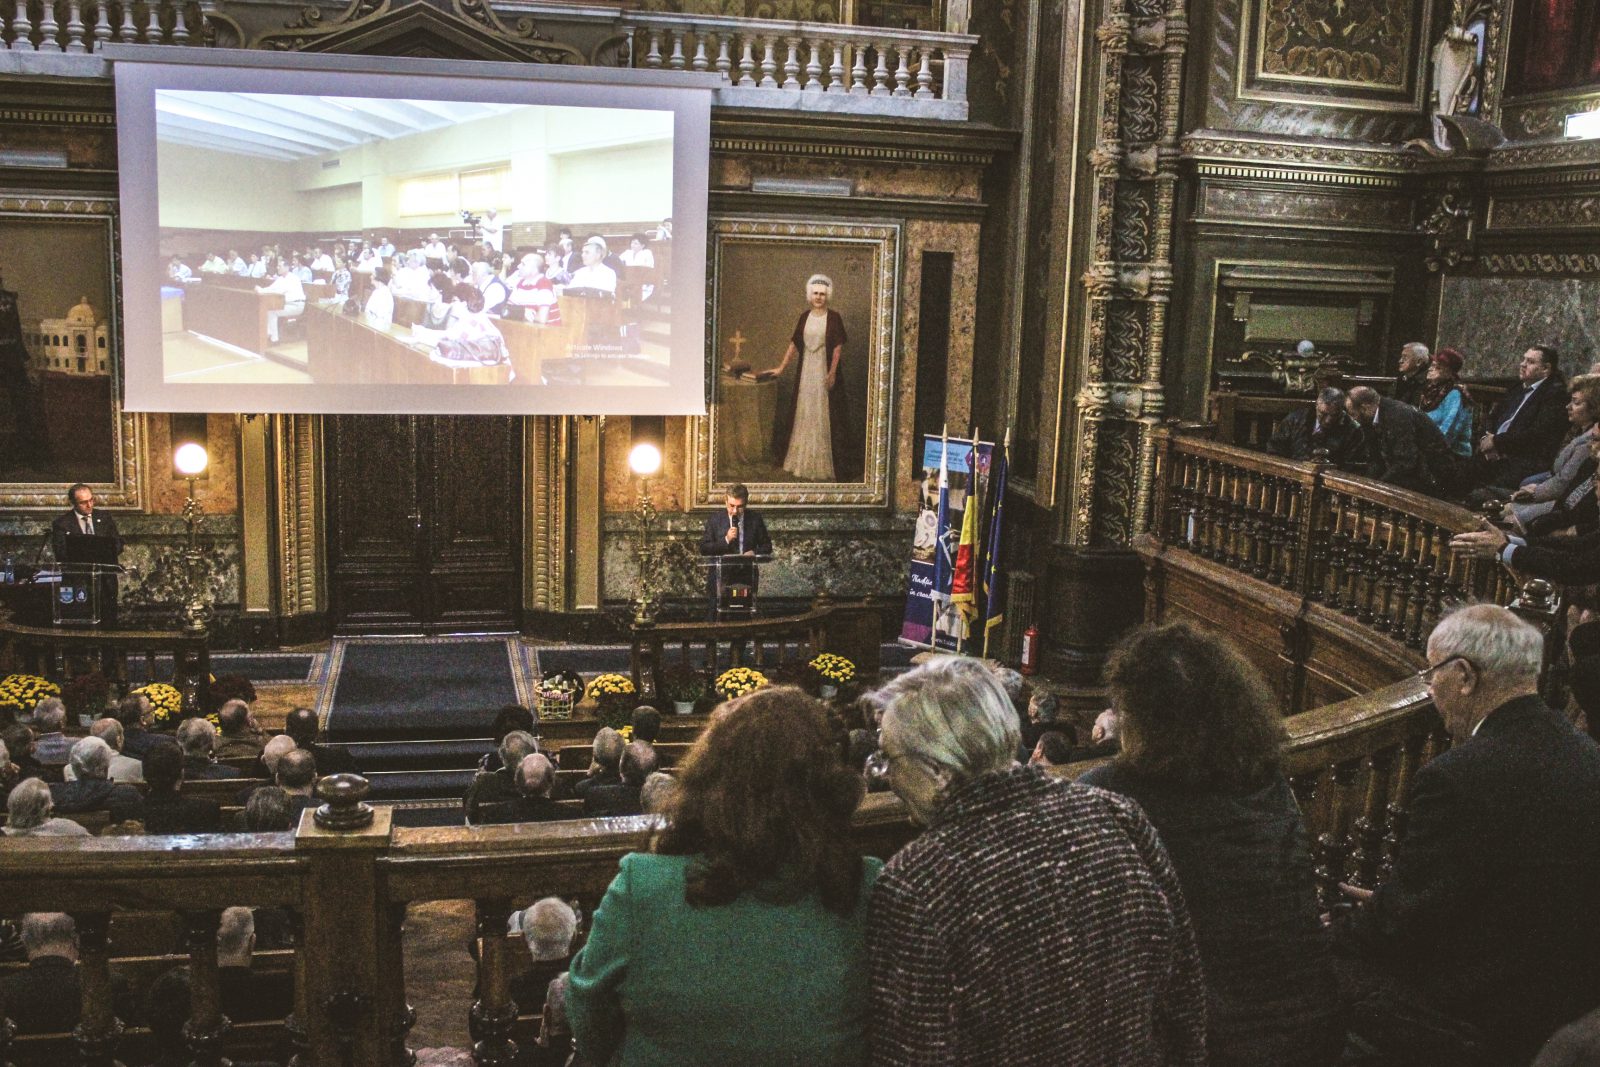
1037, 921
29, 813
91, 789
44, 998
53, 746
240, 735
1489, 920
123, 768
199, 740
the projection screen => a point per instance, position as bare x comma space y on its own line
337, 234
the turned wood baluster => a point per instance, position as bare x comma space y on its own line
1333, 580
1399, 799
1261, 526
1368, 832
495, 1013
1421, 571
8, 1030
1180, 503
1277, 528
1333, 844
402, 1016
99, 1030
1404, 565
1385, 567
1231, 535
1202, 508
207, 1025
1352, 556
1371, 565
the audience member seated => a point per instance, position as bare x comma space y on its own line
1413, 376
1583, 670
1053, 749
594, 276
1444, 400
646, 724
1576, 1045
1486, 933
302, 725
1572, 561
51, 747
379, 308
297, 777
10, 773
133, 712
508, 718
739, 939
29, 813
977, 956
638, 763
495, 787
603, 770
1404, 447
1202, 754
656, 795
44, 998
291, 286
199, 740
166, 809
1524, 431
19, 744
535, 781
123, 768
241, 737
549, 927
90, 789
248, 995
166, 1011
1326, 427
554, 1045
1043, 709
1542, 493
266, 812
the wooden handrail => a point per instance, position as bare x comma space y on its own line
52, 650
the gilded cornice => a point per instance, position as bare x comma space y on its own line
57, 118
1545, 154
1540, 262
1212, 147
879, 153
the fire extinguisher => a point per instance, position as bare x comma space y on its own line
1030, 650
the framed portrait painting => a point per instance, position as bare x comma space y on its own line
61, 418
800, 355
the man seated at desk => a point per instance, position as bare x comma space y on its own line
594, 276
734, 531
293, 292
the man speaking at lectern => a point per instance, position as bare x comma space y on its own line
81, 521
734, 531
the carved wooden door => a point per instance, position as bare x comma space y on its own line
425, 522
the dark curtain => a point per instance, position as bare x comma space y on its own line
1555, 45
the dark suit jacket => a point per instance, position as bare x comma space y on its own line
1530, 443
607, 776
1490, 914
612, 800
196, 769
66, 525
1564, 560
137, 741
1294, 439
168, 813
713, 540
520, 809
44, 998
97, 794
1405, 448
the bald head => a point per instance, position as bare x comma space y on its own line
275, 750
297, 771
535, 775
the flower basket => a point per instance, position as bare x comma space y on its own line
737, 681
20, 692
553, 705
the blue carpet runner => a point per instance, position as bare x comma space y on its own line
440, 689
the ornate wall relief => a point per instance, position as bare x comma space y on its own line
1368, 52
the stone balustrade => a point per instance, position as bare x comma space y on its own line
83, 26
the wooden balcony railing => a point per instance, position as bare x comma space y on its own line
347, 891
1377, 554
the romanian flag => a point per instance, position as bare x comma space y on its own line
993, 608
941, 555
964, 580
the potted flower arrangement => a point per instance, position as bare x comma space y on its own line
737, 681
166, 704
20, 692
831, 671
613, 696
684, 686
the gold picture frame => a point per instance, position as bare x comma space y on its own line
760, 272
54, 253
1278, 65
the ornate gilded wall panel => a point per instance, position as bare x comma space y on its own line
1544, 115
546, 462
1368, 51
302, 576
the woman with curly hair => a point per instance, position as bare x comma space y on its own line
740, 938
1445, 400
1202, 745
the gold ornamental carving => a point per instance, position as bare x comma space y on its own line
1208, 146
1541, 213
1540, 262
1342, 42
1320, 209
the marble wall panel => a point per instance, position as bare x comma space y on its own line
218, 490
1494, 320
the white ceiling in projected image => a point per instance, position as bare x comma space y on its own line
287, 128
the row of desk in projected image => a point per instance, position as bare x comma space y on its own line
343, 349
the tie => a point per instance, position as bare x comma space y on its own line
88, 525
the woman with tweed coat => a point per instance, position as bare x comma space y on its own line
1037, 921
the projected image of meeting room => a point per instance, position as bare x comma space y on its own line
350, 241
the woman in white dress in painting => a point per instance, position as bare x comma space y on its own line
808, 448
